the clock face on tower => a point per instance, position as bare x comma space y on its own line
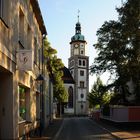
82, 46
76, 45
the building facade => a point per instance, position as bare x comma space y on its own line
21, 96
79, 66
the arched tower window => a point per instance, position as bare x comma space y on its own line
82, 52
84, 63
80, 62
70, 98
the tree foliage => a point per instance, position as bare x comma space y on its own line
54, 67
118, 47
98, 96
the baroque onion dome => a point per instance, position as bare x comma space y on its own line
78, 36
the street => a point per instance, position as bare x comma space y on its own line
82, 129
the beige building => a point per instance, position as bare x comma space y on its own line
21, 96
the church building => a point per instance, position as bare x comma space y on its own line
78, 65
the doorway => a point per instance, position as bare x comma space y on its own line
6, 104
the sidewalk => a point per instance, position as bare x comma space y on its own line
122, 131
50, 132
53, 128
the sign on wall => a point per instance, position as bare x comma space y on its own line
25, 60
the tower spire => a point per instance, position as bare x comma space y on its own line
78, 25
78, 14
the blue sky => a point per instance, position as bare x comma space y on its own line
60, 17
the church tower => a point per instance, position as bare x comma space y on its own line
79, 66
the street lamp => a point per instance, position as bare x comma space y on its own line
40, 78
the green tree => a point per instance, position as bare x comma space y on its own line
54, 67
98, 96
118, 47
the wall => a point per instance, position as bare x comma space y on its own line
119, 114
134, 114
125, 113
12, 78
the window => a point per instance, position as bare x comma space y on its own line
81, 73
82, 95
29, 37
82, 52
84, 63
4, 11
36, 52
40, 57
76, 51
37, 105
72, 74
70, 98
22, 103
81, 84
82, 46
21, 27
82, 106
79, 62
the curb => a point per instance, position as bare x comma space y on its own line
118, 138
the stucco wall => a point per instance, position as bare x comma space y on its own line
119, 114
9, 44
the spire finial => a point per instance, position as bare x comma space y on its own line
78, 14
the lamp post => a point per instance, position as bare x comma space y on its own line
42, 86
40, 79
